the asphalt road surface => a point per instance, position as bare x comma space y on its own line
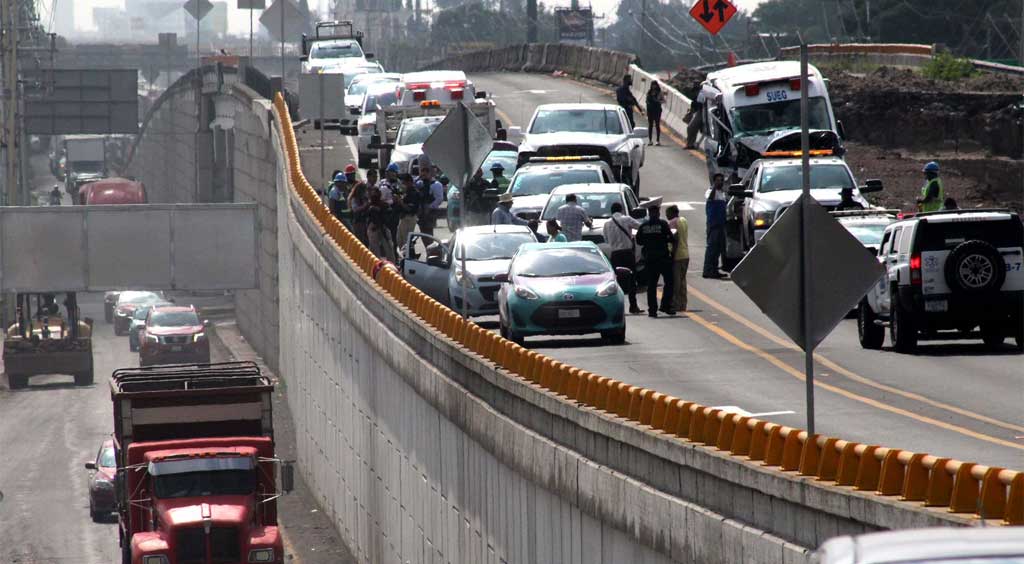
954, 399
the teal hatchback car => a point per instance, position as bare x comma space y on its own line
561, 289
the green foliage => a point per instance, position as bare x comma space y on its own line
945, 66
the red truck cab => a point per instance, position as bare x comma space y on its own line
196, 467
112, 191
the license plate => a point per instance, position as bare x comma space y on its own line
176, 348
568, 314
936, 305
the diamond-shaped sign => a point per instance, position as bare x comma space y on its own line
198, 8
459, 144
842, 271
294, 21
713, 14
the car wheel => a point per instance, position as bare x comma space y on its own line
108, 313
17, 381
616, 337
902, 329
992, 335
365, 162
84, 378
96, 517
117, 330
871, 335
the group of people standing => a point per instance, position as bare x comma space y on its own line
381, 212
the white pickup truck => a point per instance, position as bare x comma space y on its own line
557, 130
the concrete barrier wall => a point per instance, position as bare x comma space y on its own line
164, 158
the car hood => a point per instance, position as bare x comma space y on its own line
221, 509
486, 268
824, 196
354, 100
174, 331
536, 140
559, 288
529, 203
788, 140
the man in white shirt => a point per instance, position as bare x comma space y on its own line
572, 218
618, 234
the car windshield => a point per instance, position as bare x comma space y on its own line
577, 121
869, 234
137, 298
359, 84
597, 206
87, 166
141, 313
761, 119
106, 458
416, 132
209, 483
776, 178
941, 235
382, 99
566, 261
970, 560
335, 51
507, 160
174, 319
491, 246
532, 183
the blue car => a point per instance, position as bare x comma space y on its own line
561, 289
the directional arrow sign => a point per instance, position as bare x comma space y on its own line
842, 272
713, 14
198, 8
459, 145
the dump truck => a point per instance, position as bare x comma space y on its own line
196, 470
45, 340
86, 161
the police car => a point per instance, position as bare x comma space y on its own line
535, 179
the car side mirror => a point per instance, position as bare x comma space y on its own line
304, 58
515, 133
872, 185
501, 277
737, 191
207, 323
90, 466
639, 133
437, 261
622, 272
356, 111
368, 56
287, 477
480, 95
873, 251
840, 129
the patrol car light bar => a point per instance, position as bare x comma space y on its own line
812, 152
866, 213
572, 158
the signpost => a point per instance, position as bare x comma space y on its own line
776, 273
458, 146
251, 5
275, 19
713, 14
318, 98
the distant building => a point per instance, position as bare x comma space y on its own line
64, 19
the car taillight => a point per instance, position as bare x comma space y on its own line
752, 89
794, 84
419, 95
915, 270
457, 94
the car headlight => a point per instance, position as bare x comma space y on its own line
261, 555
620, 159
104, 485
198, 337
152, 339
609, 288
763, 219
525, 293
155, 559
463, 279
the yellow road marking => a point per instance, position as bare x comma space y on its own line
824, 361
779, 363
289, 548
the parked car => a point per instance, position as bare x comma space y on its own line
561, 289
410, 138
102, 501
946, 274
534, 180
127, 303
597, 200
376, 96
868, 225
138, 323
112, 191
174, 335
489, 250
355, 93
936, 545
603, 130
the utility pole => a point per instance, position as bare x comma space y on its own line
531, 21
643, 29
9, 11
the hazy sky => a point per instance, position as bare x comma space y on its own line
238, 20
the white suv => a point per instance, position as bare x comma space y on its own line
948, 273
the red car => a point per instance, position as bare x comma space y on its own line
127, 303
112, 191
102, 501
173, 335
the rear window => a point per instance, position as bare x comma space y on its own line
949, 234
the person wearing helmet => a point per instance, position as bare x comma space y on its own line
500, 181
337, 196
932, 194
352, 173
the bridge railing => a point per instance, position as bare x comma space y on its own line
914, 479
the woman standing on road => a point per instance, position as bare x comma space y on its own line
655, 99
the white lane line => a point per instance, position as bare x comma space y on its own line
740, 411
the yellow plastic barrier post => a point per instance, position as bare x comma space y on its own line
1015, 500
964, 498
791, 449
828, 460
868, 470
940, 483
776, 443
741, 435
890, 479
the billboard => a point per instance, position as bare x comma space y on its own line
97, 101
575, 25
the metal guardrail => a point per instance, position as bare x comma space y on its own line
917, 479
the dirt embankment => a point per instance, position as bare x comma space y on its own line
896, 120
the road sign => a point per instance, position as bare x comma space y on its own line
842, 272
459, 145
293, 20
198, 8
64, 101
252, 4
713, 14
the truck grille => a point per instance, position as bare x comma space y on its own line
575, 151
224, 547
175, 339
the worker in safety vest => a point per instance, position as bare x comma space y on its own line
932, 194
500, 181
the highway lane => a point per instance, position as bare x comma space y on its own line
959, 400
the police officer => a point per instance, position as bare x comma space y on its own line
625, 98
846, 201
658, 243
932, 194
337, 196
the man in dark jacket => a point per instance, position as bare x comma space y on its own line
625, 98
655, 237
714, 208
